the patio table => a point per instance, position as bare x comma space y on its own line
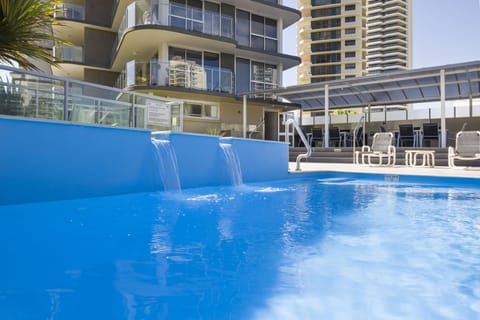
427, 160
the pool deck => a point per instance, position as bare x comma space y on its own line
464, 172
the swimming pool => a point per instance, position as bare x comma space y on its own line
330, 246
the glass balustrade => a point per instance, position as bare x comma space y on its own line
176, 73
73, 11
35, 95
69, 53
177, 15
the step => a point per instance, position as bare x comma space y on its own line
345, 155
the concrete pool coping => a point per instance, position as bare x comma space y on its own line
440, 171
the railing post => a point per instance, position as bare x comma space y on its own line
65, 100
97, 112
36, 102
131, 121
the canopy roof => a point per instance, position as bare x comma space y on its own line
462, 81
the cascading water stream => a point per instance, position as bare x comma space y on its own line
167, 164
233, 164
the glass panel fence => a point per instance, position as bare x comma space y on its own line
34, 95
176, 73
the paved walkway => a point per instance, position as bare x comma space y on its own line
469, 172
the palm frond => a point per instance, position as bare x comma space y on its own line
24, 25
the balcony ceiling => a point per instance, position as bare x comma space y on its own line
462, 81
264, 8
141, 43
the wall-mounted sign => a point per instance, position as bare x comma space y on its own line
158, 114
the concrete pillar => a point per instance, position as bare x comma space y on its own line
443, 123
327, 118
244, 126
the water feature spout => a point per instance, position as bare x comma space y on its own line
233, 164
167, 164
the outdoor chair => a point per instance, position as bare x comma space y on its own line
382, 147
467, 147
358, 137
406, 136
317, 135
334, 136
430, 133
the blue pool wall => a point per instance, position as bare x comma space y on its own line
201, 161
47, 160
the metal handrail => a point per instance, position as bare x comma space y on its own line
354, 136
304, 140
250, 134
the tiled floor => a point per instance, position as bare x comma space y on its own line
469, 172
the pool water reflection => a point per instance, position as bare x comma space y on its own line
293, 249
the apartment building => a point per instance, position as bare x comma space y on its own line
389, 35
205, 53
339, 39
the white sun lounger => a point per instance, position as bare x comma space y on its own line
467, 147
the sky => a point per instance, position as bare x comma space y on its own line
444, 32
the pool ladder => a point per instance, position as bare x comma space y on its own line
302, 137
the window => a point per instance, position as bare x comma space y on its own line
325, 12
211, 64
178, 12
227, 18
199, 70
242, 75
187, 14
349, 42
242, 29
258, 32
212, 18
326, 35
264, 33
350, 31
253, 75
331, 46
201, 110
324, 2
350, 19
350, 66
322, 70
331, 23
271, 40
350, 54
325, 58
350, 7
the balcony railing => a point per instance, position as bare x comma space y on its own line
186, 18
35, 95
176, 73
70, 11
69, 53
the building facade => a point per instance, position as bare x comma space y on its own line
205, 53
389, 35
339, 39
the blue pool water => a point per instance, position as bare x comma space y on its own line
319, 248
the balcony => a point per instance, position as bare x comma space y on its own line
68, 54
172, 15
176, 73
71, 11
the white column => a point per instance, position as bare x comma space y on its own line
327, 119
443, 123
244, 129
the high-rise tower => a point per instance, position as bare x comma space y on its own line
339, 39
389, 35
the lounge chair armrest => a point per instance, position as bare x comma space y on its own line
392, 149
365, 148
451, 151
